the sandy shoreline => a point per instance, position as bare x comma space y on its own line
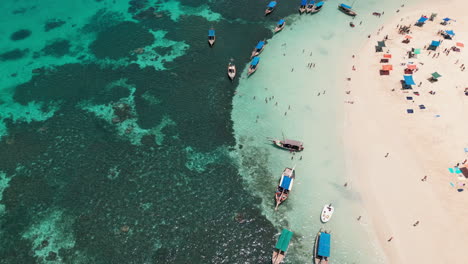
427, 142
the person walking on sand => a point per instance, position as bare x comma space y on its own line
425, 178
359, 218
386, 155
390, 239
415, 224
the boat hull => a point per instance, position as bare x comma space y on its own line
251, 71
302, 10
277, 257
268, 11
278, 29
280, 145
211, 42
347, 11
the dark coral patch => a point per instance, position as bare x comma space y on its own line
13, 54
53, 23
119, 41
20, 34
58, 48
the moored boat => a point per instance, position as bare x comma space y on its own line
327, 213
317, 7
211, 37
347, 9
302, 7
310, 6
285, 186
258, 49
322, 247
281, 246
231, 71
281, 24
291, 145
270, 7
253, 65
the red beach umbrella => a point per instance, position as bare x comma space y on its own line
387, 56
387, 67
459, 44
408, 37
411, 66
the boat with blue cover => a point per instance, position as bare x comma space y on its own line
322, 247
309, 6
258, 49
270, 7
211, 37
347, 9
302, 7
280, 25
317, 7
281, 246
253, 65
285, 186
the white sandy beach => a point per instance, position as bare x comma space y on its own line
426, 142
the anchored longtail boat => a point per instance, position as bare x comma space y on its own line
280, 25
309, 6
317, 7
347, 9
253, 65
258, 49
285, 186
302, 7
271, 6
211, 37
281, 246
291, 145
231, 71
322, 247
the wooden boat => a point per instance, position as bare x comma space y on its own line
280, 25
270, 7
291, 145
253, 65
322, 247
258, 49
310, 6
285, 186
231, 71
347, 10
316, 7
327, 213
281, 246
302, 7
211, 37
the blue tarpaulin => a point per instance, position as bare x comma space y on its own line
435, 43
422, 19
446, 19
324, 245
211, 33
409, 80
286, 183
311, 3
320, 4
345, 6
260, 45
255, 61
281, 22
450, 32
303, 2
272, 4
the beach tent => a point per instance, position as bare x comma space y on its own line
409, 80
459, 44
388, 56
381, 43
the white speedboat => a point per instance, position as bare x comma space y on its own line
327, 213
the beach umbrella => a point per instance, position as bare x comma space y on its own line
436, 75
446, 19
459, 44
450, 32
412, 66
387, 67
435, 43
417, 51
408, 37
409, 80
388, 56
381, 43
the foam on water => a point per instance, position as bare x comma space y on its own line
4, 183
309, 108
176, 10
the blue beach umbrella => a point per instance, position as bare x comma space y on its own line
450, 32
435, 43
446, 19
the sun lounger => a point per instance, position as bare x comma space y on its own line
409, 111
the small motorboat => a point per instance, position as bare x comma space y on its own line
280, 25
285, 186
291, 145
351, 24
310, 6
253, 65
317, 7
347, 10
231, 71
281, 246
271, 6
211, 37
302, 7
258, 49
322, 247
327, 213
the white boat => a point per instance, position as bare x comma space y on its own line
231, 71
211, 37
327, 213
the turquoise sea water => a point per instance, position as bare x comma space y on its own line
119, 142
